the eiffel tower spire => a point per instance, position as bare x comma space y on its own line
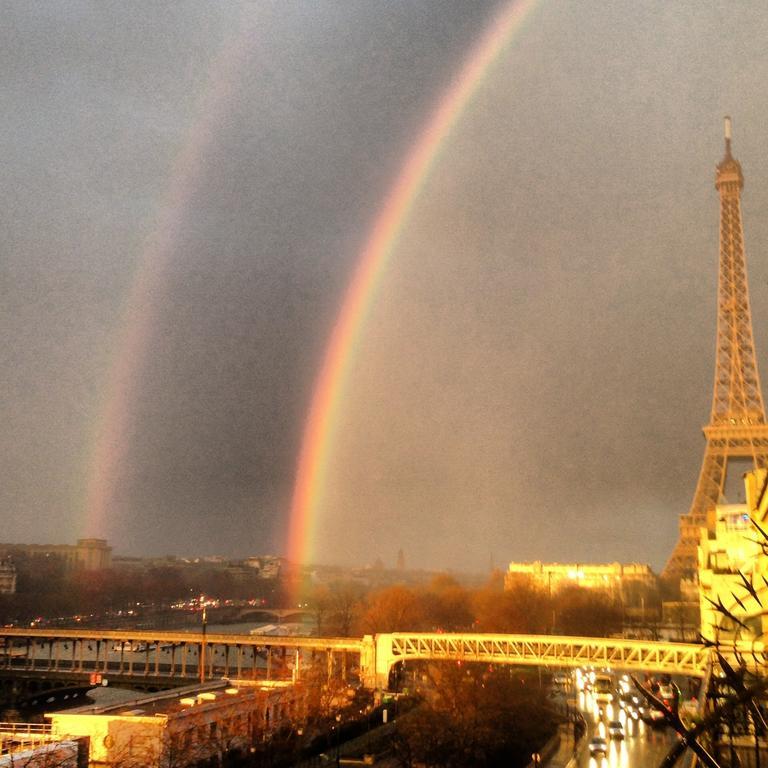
737, 427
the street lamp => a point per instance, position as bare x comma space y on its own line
338, 739
202, 644
368, 709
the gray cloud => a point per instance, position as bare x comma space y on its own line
538, 363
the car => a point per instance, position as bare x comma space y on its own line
603, 688
598, 746
666, 692
615, 729
653, 717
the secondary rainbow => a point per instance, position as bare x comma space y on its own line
140, 310
329, 387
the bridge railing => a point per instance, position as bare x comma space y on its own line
537, 650
20, 729
177, 653
16, 737
168, 655
13, 635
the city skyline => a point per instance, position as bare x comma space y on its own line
187, 192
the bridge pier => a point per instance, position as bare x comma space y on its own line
368, 665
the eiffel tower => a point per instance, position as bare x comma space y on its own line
737, 427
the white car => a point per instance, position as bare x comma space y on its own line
598, 746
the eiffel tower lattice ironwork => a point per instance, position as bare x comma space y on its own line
737, 427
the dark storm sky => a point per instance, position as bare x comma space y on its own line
535, 370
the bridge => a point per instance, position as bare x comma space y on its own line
542, 650
161, 654
161, 657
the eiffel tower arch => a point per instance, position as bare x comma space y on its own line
737, 427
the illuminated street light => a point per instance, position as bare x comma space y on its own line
202, 644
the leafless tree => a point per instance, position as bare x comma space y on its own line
474, 716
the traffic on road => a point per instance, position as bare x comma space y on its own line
621, 729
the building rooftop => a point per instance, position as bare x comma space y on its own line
178, 700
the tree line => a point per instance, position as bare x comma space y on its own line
345, 608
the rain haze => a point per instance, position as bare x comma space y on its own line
187, 188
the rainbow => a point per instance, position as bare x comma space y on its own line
140, 311
329, 387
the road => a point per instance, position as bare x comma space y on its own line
642, 747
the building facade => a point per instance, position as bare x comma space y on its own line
7, 576
183, 726
86, 555
733, 566
615, 578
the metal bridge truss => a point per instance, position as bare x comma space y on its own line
637, 655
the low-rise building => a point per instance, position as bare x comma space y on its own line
7, 576
617, 578
183, 726
93, 554
87, 554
